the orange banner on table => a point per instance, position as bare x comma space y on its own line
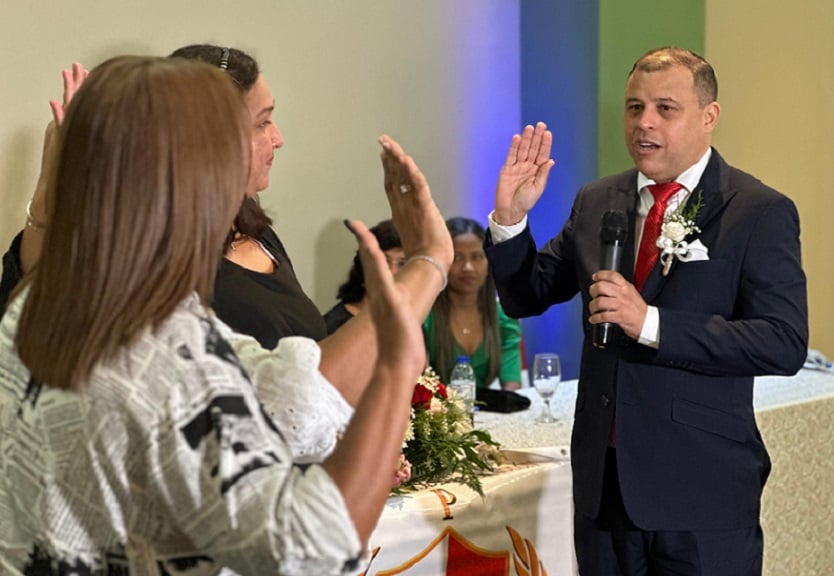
450, 554
521, 524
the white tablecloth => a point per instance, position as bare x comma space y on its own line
526, 518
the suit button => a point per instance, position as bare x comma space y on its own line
605, 400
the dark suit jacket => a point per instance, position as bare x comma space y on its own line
689, 454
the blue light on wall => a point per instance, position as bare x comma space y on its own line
487, 62
559, 67
518, 63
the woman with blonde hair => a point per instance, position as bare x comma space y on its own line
132, 439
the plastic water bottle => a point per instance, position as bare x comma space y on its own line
462, 382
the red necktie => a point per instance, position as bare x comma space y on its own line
649, 252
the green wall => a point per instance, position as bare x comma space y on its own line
627, 30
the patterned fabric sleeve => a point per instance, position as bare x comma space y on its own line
248, 506
164, 463
308, 410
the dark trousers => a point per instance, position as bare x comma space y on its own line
611, 545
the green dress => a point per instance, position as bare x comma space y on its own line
510, 370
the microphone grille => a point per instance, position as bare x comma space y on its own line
614, 226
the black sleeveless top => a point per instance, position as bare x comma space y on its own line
266, 306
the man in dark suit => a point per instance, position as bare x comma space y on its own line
668, 464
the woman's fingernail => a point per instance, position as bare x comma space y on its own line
349, 226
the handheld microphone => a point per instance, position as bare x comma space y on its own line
612, 236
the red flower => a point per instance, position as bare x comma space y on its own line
441, 390
421, 397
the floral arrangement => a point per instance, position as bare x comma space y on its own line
440, 442
676, 227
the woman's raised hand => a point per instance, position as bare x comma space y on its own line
30, 250
419, 223
363, 462
524, 174
398, 333
387, 332
73, 79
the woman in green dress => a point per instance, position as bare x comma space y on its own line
468, 320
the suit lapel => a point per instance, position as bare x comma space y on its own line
715, 187
715, 193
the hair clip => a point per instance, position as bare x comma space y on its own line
224, 59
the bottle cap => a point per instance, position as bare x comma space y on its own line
462, 358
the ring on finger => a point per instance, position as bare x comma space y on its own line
405, 188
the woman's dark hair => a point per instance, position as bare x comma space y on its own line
444, 339
239, 65
353, 290
242, 68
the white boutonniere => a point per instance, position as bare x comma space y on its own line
677, 226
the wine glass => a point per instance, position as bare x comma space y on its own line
547, 374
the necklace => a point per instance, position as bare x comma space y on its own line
239, 239
465, 318
243, 238
466, 331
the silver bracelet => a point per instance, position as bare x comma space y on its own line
434, 263
31, 221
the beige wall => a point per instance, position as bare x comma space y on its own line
342, 73
775, 63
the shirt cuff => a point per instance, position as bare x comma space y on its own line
650, 334
501, 233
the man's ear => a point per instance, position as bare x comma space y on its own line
711, 113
